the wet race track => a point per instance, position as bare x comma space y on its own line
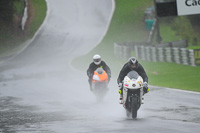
40, 92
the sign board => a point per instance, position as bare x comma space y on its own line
166, 8
197, 56
188, 7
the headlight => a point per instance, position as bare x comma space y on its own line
134, 85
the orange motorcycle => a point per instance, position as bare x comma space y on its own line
100, 83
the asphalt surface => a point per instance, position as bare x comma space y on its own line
40, 92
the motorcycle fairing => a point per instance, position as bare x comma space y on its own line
133, 84
100, 76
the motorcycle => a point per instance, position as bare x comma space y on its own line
100, 83
132, 93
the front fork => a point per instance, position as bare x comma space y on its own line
141, 95
125, 98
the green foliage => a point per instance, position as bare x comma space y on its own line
195, 19
6, 12
11, 12
182, 27
18, 7
11, 36
168, 33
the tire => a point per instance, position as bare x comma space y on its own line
128, 114
134, 107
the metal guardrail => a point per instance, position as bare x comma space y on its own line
158, 54
123, 50
167, 54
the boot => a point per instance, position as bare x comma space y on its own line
121, 99
142, 102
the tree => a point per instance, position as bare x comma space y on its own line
6, 11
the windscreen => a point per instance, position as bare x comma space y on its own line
133, 75
100, 70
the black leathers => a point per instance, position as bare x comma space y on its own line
93, 67
126, 69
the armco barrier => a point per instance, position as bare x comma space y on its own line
123, 50
158, 54
169, 54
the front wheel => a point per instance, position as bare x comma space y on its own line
134, 107
128, 114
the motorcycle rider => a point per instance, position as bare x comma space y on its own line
132, 64
97, 62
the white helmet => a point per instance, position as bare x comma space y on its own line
97, 59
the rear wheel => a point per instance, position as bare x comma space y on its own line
134, 107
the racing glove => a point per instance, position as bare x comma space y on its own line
120, 88
120, 91
145, 87
120, 85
